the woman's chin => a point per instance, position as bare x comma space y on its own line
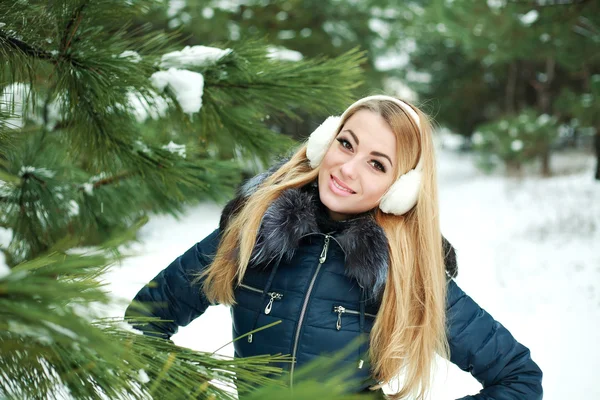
334, 207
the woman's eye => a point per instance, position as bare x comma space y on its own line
346, 144
376, 164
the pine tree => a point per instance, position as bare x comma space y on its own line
104, 122
489, 61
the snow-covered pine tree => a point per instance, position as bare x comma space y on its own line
101, 124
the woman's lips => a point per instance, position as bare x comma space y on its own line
338, 188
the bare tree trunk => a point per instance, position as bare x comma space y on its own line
546, 163
597, 143
545, 105
511, 85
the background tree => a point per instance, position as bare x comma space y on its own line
486, 61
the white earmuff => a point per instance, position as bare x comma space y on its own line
320, 139
403, 194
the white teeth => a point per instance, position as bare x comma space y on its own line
339, 187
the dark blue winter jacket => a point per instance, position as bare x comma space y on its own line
324, 280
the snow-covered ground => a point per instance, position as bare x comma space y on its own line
528, 252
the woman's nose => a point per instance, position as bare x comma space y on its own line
349, 169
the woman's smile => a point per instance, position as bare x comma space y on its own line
338, 187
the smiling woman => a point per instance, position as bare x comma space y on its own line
357, 170
342, 242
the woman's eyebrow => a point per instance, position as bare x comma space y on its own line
375, 153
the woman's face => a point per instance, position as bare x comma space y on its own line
359, 166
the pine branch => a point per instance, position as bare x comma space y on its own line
111, 180
25, 48
71, 28
49, 339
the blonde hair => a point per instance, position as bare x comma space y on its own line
410, 325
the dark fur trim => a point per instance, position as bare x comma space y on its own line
284, 223
296, 214
449, 258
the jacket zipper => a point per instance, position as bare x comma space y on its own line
273, 296
322, 259
343, 310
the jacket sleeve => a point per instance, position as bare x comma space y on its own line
486, 349
171, 296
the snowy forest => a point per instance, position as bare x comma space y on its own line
126, 125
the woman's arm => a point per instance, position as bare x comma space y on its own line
486, 349
171, 296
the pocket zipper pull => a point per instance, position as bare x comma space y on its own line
274, 296
340, 310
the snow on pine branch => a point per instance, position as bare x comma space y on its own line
187, 86
153, 106
4, 269
283, 54
175, 148
193, 56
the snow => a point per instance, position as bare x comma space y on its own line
421, 77
133, 56
188, 87
543, 119
13, 100
4, 269
5, 237
43, 172
125, 326
62, 330
208, 12
529, 18
153, 106
193, 56
399, 88
281, 16
175, 6
516, 145
283, 54
496, 4
380, 27
391, 61
73, 208
143, 147
88, 188
527, 253
39, 334
447, 140
175, 148
286, 34
228, 5
143, 376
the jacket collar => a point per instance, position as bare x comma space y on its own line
299, 212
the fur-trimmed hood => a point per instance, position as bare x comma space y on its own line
299, 212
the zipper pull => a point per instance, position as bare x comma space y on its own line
274, 296
323, 255
250, 338
340, 310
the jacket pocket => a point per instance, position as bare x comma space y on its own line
340, 310
272, 296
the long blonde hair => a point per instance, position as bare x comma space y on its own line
410, 325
